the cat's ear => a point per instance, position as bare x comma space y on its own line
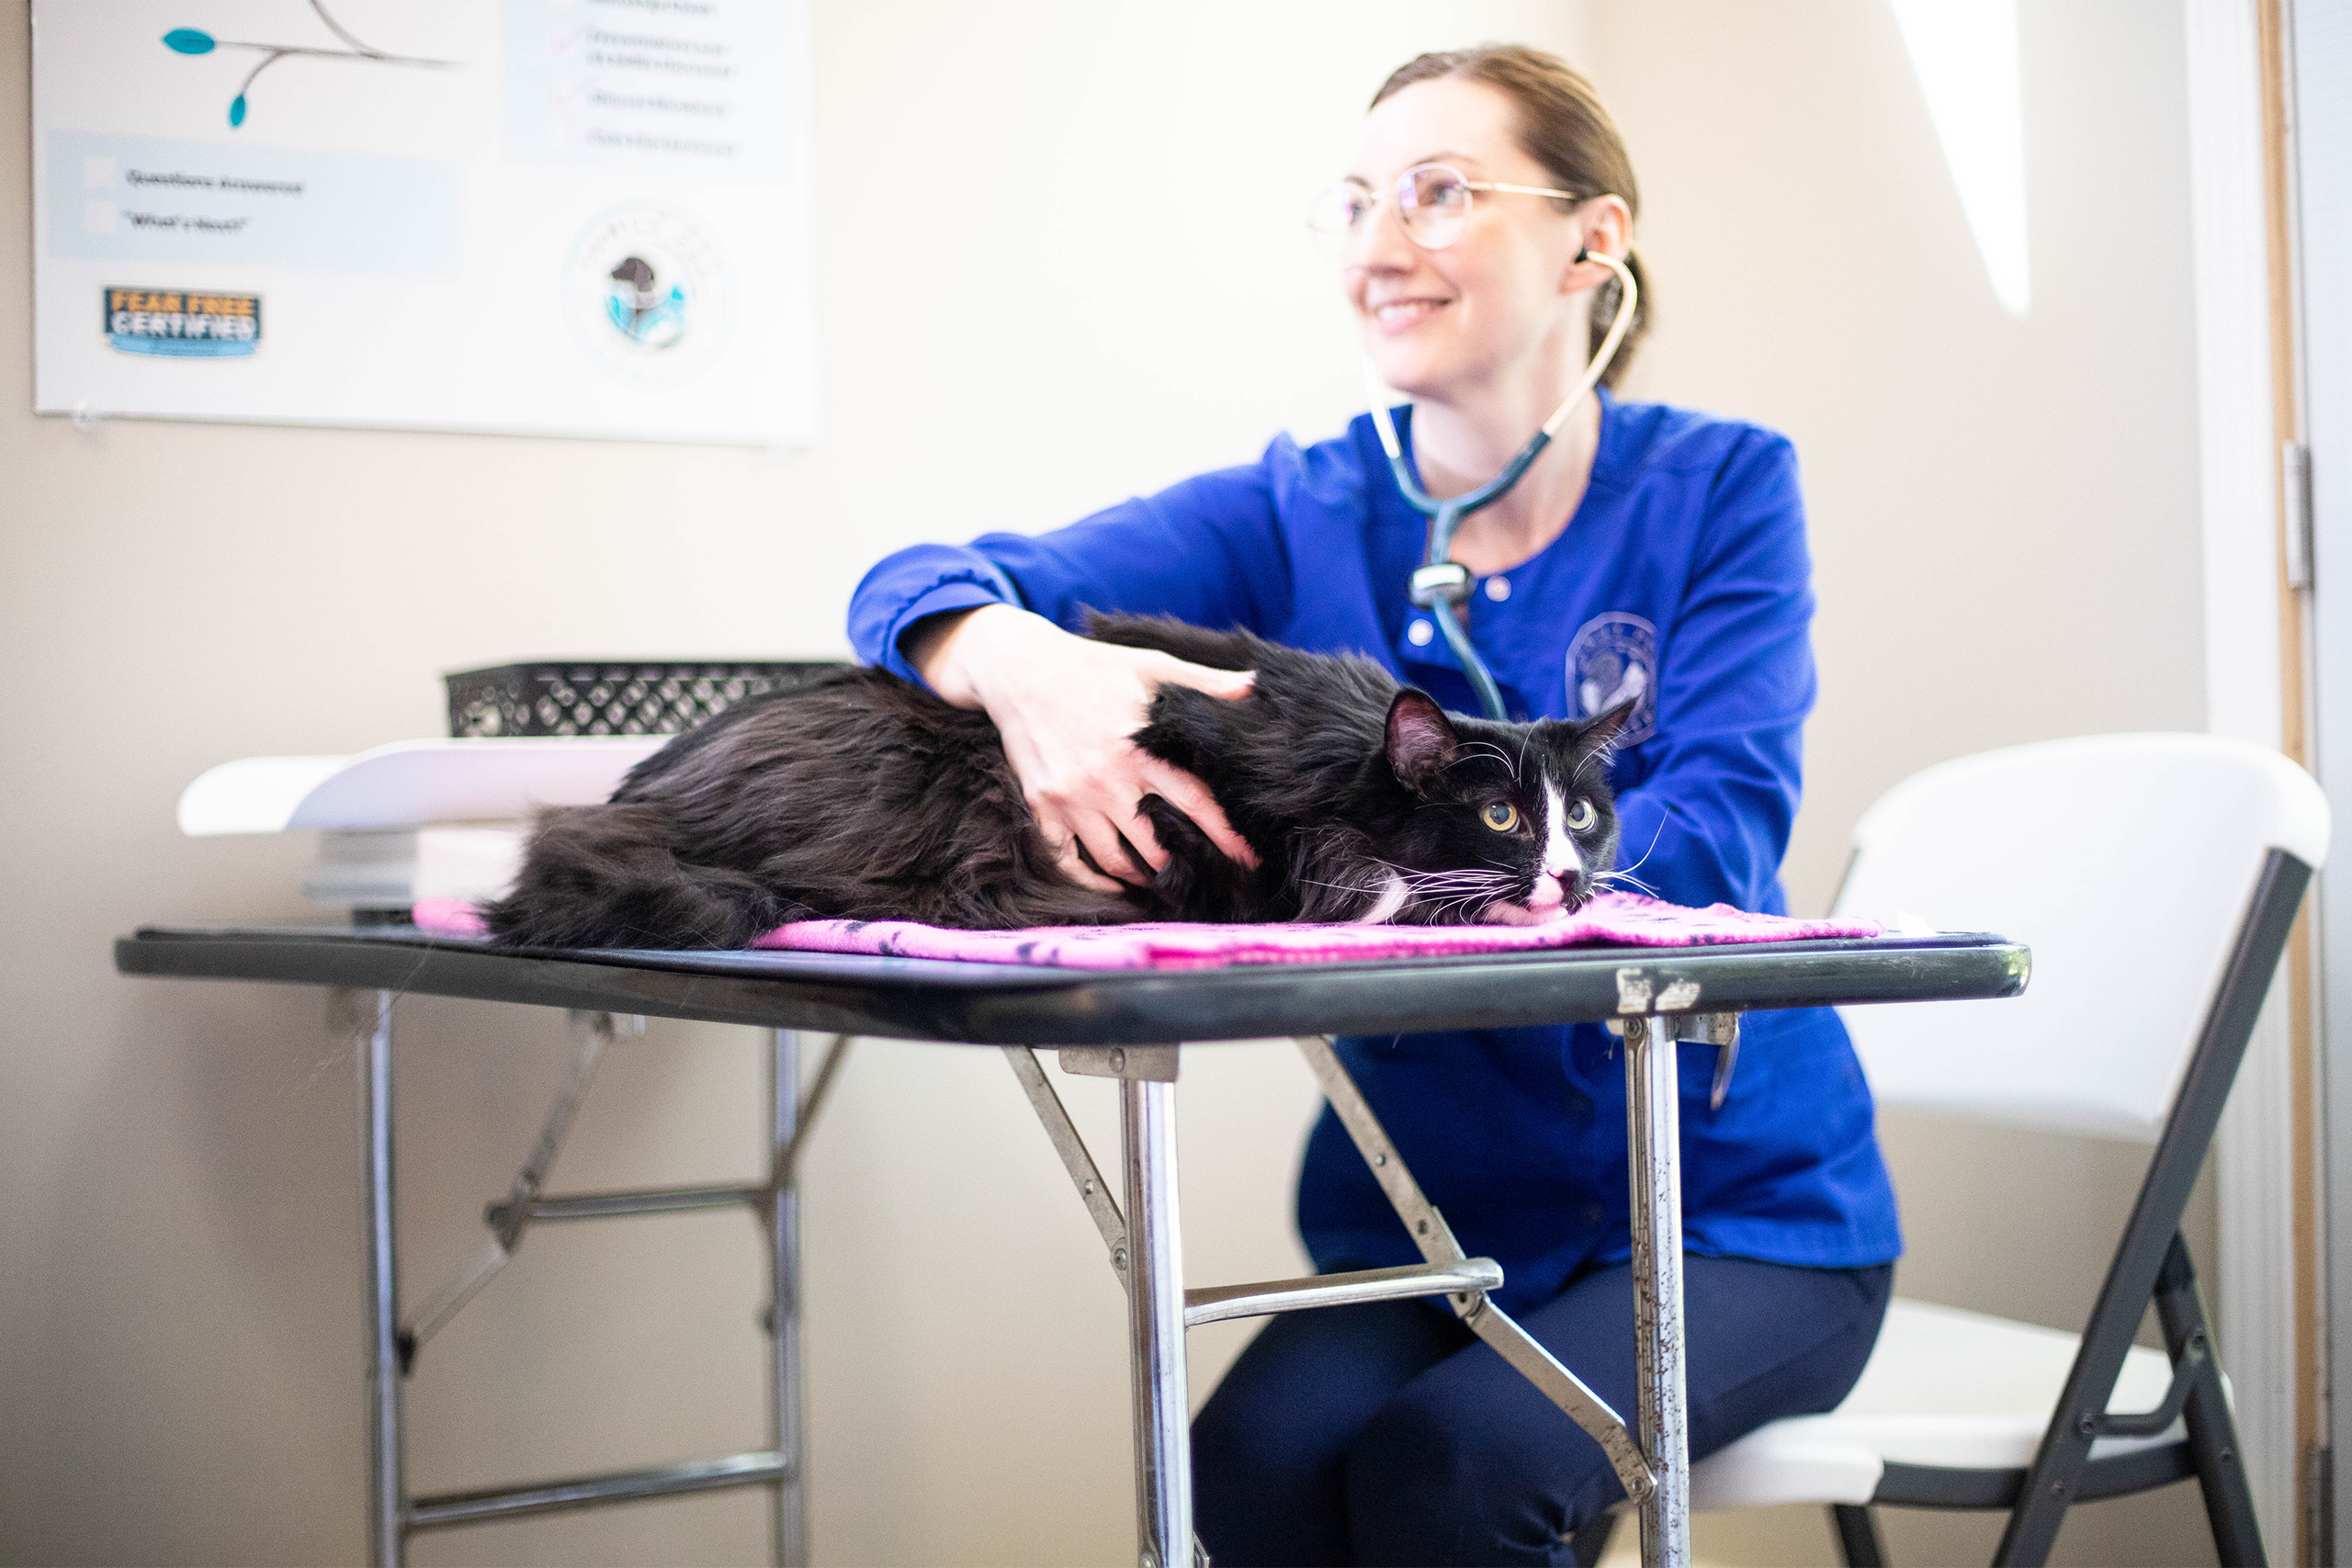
1601, 731
1421, 740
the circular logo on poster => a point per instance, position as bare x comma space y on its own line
646, 292
1613, 660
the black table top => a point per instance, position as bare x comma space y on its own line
996, 1004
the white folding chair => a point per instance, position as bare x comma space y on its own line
2155, 876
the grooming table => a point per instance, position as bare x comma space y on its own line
1117, 1024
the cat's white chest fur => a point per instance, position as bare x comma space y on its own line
1392, 899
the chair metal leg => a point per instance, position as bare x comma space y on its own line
2151, 1243
1156, 1323
790, 1492
386, 1500
1858, 1542
2213, 1433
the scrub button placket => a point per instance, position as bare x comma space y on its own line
1419, 633
1499, 589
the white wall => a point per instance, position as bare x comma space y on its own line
1059, 263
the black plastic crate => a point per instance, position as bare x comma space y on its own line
611, 697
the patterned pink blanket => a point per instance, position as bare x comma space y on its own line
1612, 920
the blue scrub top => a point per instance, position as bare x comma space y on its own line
1683, 579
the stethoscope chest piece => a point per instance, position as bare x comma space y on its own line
1447, 583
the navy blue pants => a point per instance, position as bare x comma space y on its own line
1387, 1434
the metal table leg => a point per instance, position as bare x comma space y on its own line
790, 1492
1144, 1247
1156, 1323
386, 1496
1653, 1132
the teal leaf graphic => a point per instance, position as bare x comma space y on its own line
237, 110
188, 41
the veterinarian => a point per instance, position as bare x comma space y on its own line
1650, 553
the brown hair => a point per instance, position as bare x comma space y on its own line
1562, 126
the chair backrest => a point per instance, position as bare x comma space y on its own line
2126, 864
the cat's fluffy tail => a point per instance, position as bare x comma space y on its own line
605, 876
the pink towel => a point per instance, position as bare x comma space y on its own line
1612, 919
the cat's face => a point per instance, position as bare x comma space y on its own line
1508, 823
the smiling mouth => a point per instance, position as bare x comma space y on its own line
1398, 314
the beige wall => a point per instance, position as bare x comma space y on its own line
2004, 511
2003, 514
1033, 303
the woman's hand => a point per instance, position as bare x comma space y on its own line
1066, 706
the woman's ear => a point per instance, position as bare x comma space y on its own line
1608, 228
1421, 741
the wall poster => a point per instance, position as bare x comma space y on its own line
559, 217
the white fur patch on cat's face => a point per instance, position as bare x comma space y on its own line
1560, 855
1548, 899
1561, 862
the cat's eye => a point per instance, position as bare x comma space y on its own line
1580, 815
1501, 815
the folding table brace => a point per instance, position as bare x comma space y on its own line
1146, 1256
393, 1516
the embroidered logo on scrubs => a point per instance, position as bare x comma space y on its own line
1613, 658
648, 295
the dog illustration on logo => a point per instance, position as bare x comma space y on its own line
641, 309
646, 294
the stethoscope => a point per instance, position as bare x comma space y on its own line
1440, 584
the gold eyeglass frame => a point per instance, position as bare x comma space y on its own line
1389, 197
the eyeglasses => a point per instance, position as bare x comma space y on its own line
1433, 203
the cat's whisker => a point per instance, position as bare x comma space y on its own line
1648, 852
1499, 754
1463, 881
1414, 874
1454, 887
1335, 886
1442, 910
1457, 893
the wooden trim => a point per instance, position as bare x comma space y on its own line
2236, 114
2295, 731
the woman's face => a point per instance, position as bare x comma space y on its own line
1506, 297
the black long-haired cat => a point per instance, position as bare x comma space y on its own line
862, 796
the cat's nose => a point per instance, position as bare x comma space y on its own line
1548, 894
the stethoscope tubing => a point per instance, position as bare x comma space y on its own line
1442, 584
